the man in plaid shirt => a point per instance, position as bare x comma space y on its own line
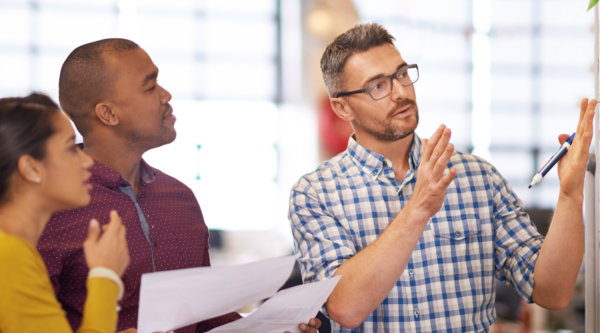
418, 230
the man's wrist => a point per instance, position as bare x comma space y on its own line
572, 199
415, 216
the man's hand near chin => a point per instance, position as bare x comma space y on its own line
313, 325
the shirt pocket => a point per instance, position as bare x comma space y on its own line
457, 245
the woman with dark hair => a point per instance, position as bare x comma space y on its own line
42, 171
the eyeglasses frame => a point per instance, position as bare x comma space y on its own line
391, 77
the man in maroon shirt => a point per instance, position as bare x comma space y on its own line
109, 89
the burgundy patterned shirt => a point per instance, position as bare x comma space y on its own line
178, 239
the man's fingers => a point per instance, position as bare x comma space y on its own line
586, 129
589, 117
94, 231
424, 143
307, 328
587, 110
433, 143
314, 322
583, 108
441, 163
449, 177
440, 147
562, 138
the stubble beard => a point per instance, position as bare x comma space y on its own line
386, 131
141, 142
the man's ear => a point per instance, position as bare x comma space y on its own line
105, 113
342, 108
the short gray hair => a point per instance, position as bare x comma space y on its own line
361, 38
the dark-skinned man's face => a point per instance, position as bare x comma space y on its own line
146, 118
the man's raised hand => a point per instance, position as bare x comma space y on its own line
571, 168
429, 193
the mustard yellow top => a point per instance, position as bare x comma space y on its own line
27, 300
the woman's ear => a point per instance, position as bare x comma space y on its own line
342, 108
105, 113
31, 170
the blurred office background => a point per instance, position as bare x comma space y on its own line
506, 76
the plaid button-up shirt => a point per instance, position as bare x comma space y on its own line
481, 232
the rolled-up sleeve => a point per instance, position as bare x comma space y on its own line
321, 242
517, 242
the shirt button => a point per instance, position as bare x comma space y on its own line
374, 173
416, 312
457, 233
155, 245
411, 272
384, 163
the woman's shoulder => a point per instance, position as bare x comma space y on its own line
15, 251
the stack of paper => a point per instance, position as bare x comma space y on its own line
174, 299
286, 310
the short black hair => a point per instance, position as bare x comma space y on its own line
360, 38
84, 79
25, 127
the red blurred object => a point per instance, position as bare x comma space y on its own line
333, 131
525, 318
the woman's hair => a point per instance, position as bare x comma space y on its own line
25, 126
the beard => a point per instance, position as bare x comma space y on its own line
141, 141
386, 131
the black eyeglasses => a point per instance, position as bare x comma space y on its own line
382, 88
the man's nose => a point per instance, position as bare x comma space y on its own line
398, 90
165, 96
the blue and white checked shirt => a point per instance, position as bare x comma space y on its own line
481, 232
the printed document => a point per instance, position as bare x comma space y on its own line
284, 311
174, 299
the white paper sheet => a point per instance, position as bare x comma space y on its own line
174, 299
284, 311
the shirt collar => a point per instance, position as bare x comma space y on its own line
375, 163
107, 177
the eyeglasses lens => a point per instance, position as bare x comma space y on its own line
380, 89
383, 87
413, 74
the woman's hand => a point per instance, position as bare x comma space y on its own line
108, 250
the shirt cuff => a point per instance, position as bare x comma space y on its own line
109, 274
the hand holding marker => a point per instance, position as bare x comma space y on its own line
553, 160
